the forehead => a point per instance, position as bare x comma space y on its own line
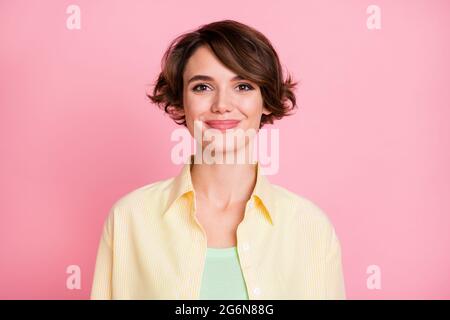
204, 61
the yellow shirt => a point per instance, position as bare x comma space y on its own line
153, 247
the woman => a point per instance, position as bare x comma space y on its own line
219, 230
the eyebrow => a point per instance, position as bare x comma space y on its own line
208, 78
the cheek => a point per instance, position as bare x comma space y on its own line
194, 109
195, 106
252, 108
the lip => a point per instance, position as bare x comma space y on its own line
222, 124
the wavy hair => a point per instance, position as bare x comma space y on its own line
243, 50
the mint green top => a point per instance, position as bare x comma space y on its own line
222, 276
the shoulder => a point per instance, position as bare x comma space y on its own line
300, 208
151, 197
307, 219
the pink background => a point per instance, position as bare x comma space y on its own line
370, 143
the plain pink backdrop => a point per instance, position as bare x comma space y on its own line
370, 142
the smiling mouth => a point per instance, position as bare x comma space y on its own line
222, 124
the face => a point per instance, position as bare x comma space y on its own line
212, 92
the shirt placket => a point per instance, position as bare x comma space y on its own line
246, 252
197, 272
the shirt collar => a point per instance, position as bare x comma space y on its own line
263, 192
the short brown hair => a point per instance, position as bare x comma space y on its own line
243, 50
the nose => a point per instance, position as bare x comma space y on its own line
222, 103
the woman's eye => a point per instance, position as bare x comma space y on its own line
199, 85
242, 86
246, 85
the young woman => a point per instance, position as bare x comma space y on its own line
219, 230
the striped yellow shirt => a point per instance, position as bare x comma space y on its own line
153, 247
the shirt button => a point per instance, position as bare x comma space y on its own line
257, 291
246, 246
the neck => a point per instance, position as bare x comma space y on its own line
223, 184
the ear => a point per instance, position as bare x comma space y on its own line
175, 111
266, 111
